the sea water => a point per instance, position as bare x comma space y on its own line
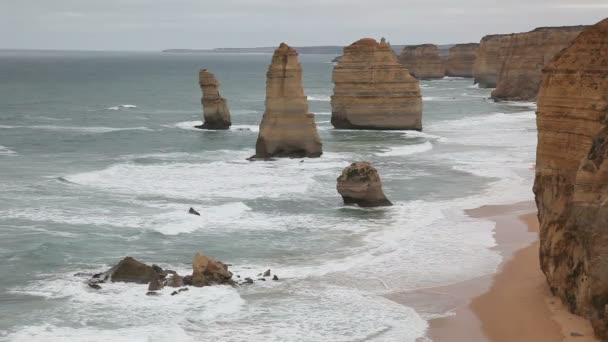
99, 160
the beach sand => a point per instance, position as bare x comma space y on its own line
514, 304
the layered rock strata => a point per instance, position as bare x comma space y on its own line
360, 184
491, 55
571, 183
215, 109
372, 90
461, 59
423, 61
521, 73
287, 128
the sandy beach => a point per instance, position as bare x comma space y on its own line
513, 304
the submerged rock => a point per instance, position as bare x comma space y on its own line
360, 184
287, 128
215, 109
571, 183
423, 61
194, 212
372, 90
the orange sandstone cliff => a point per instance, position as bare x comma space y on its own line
215, 108
571, 183
461, 59
287, 128
423, 61
527, 53
490, 57
372, 90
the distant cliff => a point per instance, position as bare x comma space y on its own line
525, 56
490, 57
571, 183
460, 60
423, 61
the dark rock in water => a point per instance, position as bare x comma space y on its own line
174, 293
130, 270
157, 268
275, 277
152, 293
262, 279
94, 286
238, 276
267, 273
84, 274
187, 280
248, 280
97, 275
175, 281
155, 285
360, 184
183, 289
193, 212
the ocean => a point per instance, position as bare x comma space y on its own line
99, 160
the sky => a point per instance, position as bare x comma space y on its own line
153, 25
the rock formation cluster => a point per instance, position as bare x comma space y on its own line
526, 53
571, 183
360, 184
372, 90
215, 108
461, 59
287, 128
490, 57
423, 61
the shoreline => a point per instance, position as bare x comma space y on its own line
513, 304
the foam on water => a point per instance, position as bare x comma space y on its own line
5, 151
405, 150
85, 129
122, 106
320, 98
190, 126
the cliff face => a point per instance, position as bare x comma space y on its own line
571, 184
490, 57
287, 128
423, 61
215, 109
461, 59
527, 53
372, 90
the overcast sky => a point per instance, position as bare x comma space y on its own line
162, 24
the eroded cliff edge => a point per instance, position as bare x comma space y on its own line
571, 183
490, 57
461, 59
372, 90
526, 54
423, 61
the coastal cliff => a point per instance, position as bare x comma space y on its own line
372, 90
461, 59
489, 60
571, 183
423, 61
215, 109
526, 54
287, 128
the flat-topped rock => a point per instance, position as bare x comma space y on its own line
287, 128
461, 59
571, 183
372, 90
423, 61
491, 54
215, 108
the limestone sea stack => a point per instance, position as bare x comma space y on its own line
215, 109
490, 57
571, 183
527, 53
460, 61
372, 90
287, 128
360, 184
423, 61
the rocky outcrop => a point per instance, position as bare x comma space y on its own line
423, 61
521, 73
360, 184
491, 55
215, 109
287, 128
571, 183
208, 271
129, 270
372, 90
461, 59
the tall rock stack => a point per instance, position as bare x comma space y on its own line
372, 90
520, 76
287, 128
423, 61
490, 57
461, 59
215, 109
571, 183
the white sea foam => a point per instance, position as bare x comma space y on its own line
85, 129
320, 98
418, 134
190, 126
122, 106
405, 150
474, 86
5, 151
